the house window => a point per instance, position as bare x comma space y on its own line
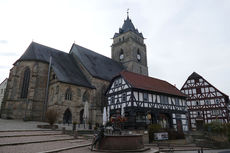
123, 97
25, 84
177, 102
112, 100
216, 112
140, 117
207, 102
217, 101
68, 94
145, 97
198, 91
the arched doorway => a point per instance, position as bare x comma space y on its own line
67, 117
81, 116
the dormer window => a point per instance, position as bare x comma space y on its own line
121, 55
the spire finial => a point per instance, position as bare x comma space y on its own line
128, 13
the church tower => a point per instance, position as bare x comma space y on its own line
128, 48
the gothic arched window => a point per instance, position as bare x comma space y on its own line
68, 94
85, 97
25, 84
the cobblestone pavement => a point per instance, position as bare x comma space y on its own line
40, 147
18, 131
24, 139
6, 125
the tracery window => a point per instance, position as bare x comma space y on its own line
85, 96
68, 94
25, 84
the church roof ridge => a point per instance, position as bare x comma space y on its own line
96, 64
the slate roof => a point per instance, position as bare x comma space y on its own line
128, 26
63, 64
97, 65
152, 84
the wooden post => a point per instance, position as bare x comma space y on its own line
75, 135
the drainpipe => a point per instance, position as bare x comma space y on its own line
47, 91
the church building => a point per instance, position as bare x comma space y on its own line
79, 84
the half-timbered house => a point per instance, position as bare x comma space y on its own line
205, 102
144, 100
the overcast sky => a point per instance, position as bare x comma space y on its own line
182, 36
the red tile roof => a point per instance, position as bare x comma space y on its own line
149, 83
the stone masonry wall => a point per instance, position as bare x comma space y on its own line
30, 107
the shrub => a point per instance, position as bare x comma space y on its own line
172, 134
51, 116
153, 128
214, 127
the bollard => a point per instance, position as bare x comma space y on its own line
63, 130
198, 151
75, 135
201, 150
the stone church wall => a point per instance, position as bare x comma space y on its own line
57, 100
98, 97
31, 107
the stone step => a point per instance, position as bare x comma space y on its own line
66, 148
8, 136
38, 141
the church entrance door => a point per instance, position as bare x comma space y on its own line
67, 117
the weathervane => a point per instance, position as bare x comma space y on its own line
128, 12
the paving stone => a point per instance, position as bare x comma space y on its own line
38, 147
11, 140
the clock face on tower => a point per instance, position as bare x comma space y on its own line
138, 56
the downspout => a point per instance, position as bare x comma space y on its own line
47, 91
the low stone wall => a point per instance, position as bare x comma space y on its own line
121, 142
